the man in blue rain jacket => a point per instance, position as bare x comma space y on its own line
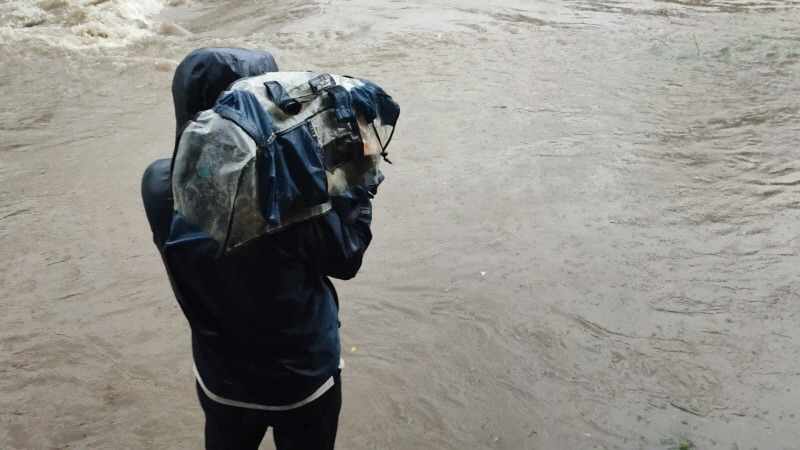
264, 319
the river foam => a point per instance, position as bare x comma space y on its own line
78, 24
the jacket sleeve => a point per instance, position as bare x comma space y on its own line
157, 199
343, 235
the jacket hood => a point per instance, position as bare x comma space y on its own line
206, 72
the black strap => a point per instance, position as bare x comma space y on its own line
279, 95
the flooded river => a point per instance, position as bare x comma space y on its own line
588, 238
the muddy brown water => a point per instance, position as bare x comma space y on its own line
588, 237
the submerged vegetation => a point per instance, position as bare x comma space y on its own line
680, 444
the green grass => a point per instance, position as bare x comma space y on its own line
681, 444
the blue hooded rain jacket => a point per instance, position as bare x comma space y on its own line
264, 319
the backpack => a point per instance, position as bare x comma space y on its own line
274, 149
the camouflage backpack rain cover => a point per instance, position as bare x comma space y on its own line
275, 148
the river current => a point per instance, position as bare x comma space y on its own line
588, 237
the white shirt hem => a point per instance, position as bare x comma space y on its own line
225, 401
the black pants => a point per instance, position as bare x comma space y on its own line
309, 427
